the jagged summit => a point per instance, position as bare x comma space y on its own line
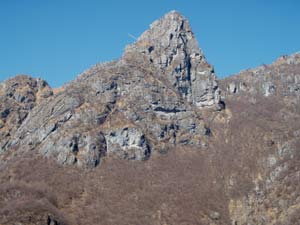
172, 30
169, 25
170, 46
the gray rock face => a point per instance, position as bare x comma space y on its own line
215, 215
18, 96
171, 47
129, 143
269, 89
84, 149
232, 88
148, 101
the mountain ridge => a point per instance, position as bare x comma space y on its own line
167, 82
153, 138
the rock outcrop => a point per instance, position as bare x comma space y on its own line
18, 96
170, 46
148, 101
128, 143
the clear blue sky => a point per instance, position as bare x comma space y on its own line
58, 39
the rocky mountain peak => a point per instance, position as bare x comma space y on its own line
235, 166
172, 26
145, 103
170, 46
